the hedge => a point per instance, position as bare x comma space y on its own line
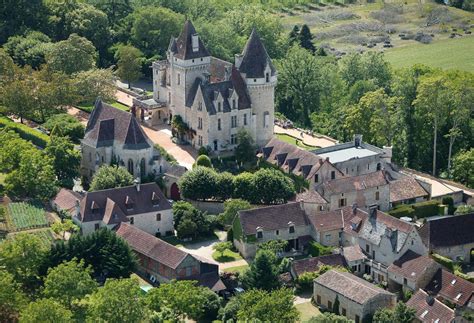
316, 249
426, 208
25, 132
401, 211
446, 262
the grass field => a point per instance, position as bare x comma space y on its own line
446, 54
115, 104
237, 269
227, 256
27, 215
307, 311
294, 141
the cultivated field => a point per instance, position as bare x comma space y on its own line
27, 216
45, 235
409, 32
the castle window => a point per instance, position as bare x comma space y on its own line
266, 119
342, 202
377, 196
200, 141
233, 139
316, 178
199, 106
233, 104
233, 121
193, 60
219, 124
267, 77
255, 80
245, 119
158, 217
219, 107
130, 166
179, 79
199, 123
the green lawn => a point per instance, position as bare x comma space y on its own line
227, 256
294, 141
115, 104
120, 106
237, 269
46, 236
27, 215
307, 311
446, 54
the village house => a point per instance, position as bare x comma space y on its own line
65, 201
358, 299
407, 190
446, 286
450, 237
161, 262
313, 264
213, 97
355, 259
114, 136
141, 205
429, 309
411, 272
327, 227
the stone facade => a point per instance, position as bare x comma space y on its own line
213, 97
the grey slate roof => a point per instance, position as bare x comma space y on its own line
184, 46
255, 58
107, 125
110, 205
355, 183
450, 231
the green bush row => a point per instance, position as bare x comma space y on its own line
316, 249
401, 211
446, 262
420, 210
25, 132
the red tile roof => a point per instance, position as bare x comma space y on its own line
327, 221
312, 264
353, 253
356, 183
411, 265
310, 196
429, 309
150, 246
405, 189
451, 287
66, 199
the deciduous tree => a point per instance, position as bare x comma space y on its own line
66, 159
67, 125
45, 310
463, 167
94, 83
245, 150
263, 272
129, 63
110, 177
12, 298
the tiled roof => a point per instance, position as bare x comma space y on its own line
150, 246
350, 286
327, 221
449, 231
97, 206
353, 253
66, 199
451, 287
310, 196
107, 125
184, 45
255, 58
272, 217
411, 265
218, 68
313, 263
355, 183
210, 280
429, 309
406, 188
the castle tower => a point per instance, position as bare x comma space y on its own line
261, 78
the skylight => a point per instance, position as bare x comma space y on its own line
424, 314
458, 297
453, 282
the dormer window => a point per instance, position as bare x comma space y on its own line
333, 175
291, 227
267, 77
259, 233
219, 107
94, 207
234, 105
129, 203
316, 178
155, 201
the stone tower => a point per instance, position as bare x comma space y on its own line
260, 76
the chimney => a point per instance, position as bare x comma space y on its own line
357, 140
354, 208
238, 60
227, 73
195, 42
372, 211
77, 208
137, 184
430, 300
302, 204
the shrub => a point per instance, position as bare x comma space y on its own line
464, 209
316, 249
426, 209
168, 157
446, 262
37, 138
448, 200
199, 184
401, 211
203, 151
204, 161
66, 125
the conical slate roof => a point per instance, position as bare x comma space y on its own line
255, 58
184, 45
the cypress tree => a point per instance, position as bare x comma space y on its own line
306, 39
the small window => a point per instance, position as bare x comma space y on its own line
321, 208
200, 141
193, 60
367, 248
357, 319
379, 166
199, 106
233, 121
277, 232
233, 139
179, 79
219, 107
259, 234
90, 157
342, 202
354, 268
343, 311
158, 217
330, 305
132, 220
233, 104
201, 59
267, 77
291, 229
219, 124
254, 80
318, 299
316, 178
96, 226
377, 196
245, 119
405, 281
333, 175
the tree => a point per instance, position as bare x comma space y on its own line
69, 283
244, 187
199, 183
203, 161
66, 159
59, 227
45, 310
184, 299
335, 307
129, 63
120, 300
263, 272
274, 246
35, 177
293, 36
20, 15
189, 221
186, 228
401, 313
16, 93
245, 150
7, 67
306, 39
22, 257
463, 167
72, 55
231, 207
431, 102
29, 49
67, 125
95, 83
111, 177
260, 305
114, 9
12, 147
329, 318
272, 186
107, 254
224, 186
12, 298
221, 247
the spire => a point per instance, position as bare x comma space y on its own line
255, 58
189, 45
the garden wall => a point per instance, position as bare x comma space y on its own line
207, 206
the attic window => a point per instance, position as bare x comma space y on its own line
291, 228
267, 77
255, 80
259, 233
234, 106
129, 203
316, 178
333, 175
219, 107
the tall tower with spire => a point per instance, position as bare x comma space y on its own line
260, 75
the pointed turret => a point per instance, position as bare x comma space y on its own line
189, 45
254, 59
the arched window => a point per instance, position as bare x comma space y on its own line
130, 166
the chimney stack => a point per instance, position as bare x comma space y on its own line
137, 184
227, 73
357, 140
354, 208
372, 211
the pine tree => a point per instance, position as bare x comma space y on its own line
306, 39
263, 272
335, 307
294, 35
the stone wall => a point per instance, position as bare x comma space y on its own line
209, 207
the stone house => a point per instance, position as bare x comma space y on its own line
214, 98
114, 136
407, 190
355, 259
66, 201
327, 227
313, 264
450, 237
279, 222
429, 309
411, 271
358, 299
363, 190
446, 286
141, 205
161, 262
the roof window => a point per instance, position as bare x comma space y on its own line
424, 314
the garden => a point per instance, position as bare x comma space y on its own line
27, 215
46, 236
